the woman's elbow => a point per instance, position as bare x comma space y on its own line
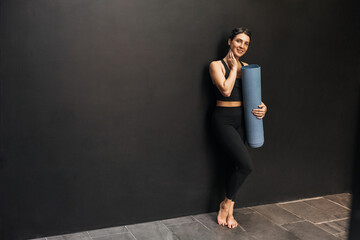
226, 93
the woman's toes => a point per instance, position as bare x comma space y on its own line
221, 222
232, 223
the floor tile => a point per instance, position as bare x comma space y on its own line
192, 231
307, 212
73, 236
276, 214
329, 207
120, 236
335, 227
244, 210
342, 198
306, 230
325, 217
177, 221
151, 230
261, 228
107, 231
343, 235
222, 232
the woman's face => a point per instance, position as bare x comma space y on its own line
239, 44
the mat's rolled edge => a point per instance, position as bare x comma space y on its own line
256, 145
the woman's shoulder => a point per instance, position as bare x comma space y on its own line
245, 64
216, 64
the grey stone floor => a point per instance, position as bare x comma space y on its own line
325, 217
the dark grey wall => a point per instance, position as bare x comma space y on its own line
105, 107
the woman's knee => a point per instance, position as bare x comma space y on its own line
246, 170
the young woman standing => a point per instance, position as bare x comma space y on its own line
228, 120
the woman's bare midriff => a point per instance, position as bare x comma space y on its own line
228, 103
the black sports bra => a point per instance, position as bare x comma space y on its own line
236, 93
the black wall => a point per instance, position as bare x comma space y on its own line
105, 108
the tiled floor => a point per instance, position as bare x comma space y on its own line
325, 217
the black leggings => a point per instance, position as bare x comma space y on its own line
228, 127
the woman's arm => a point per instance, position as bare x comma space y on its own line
224, 85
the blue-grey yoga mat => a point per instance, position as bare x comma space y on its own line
251, 88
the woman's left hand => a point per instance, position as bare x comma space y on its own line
260, 112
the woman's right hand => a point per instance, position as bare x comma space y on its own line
231, 61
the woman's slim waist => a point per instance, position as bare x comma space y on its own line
220, 103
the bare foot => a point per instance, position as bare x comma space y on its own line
231, 222
223, 212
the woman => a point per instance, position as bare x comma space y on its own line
228, 120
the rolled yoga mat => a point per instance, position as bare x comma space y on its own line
251, 88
